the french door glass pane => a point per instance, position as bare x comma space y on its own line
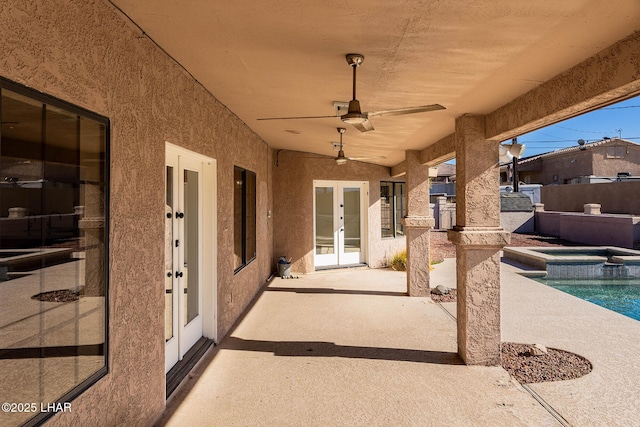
191, 246
351, 220
168, 257
324, 220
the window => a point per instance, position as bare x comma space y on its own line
616, 152
244, 217
53, 249
393, 207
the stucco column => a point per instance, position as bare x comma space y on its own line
478, 238
417, 224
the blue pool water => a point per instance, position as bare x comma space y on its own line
619, 295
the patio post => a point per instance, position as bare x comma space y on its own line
478, 238
417, 224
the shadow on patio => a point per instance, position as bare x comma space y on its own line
335, 291
329, 349
346, 347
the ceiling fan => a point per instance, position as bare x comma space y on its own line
342, 159
354, 115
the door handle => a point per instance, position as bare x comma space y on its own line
178, 273
180, 215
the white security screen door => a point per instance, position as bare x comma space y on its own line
183, 254
340, 213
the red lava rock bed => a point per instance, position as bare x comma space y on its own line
556, 365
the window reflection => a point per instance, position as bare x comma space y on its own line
393, 207
244, 217
52, 248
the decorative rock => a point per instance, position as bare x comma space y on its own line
537, 350
441, 290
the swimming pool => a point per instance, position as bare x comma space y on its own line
619, 295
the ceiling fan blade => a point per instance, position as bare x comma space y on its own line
295, 118
407, 110
367, 158
363, 126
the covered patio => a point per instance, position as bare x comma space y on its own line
470, 77
349, 348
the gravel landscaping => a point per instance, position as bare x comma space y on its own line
556, 365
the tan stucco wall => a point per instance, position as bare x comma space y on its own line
601, 230
614, 197
567, 167
88, 54
293, 205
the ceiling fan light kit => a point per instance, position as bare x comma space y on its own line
354, 116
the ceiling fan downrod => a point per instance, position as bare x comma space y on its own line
354, 114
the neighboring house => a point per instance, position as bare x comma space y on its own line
445, 173
443, 183
606, 158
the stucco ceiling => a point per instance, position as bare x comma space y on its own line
286, 58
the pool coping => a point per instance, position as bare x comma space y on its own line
534, 257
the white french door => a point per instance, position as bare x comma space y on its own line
185, 244
340, 213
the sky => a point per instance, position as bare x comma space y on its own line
616, 120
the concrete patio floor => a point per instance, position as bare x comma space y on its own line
348, 348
